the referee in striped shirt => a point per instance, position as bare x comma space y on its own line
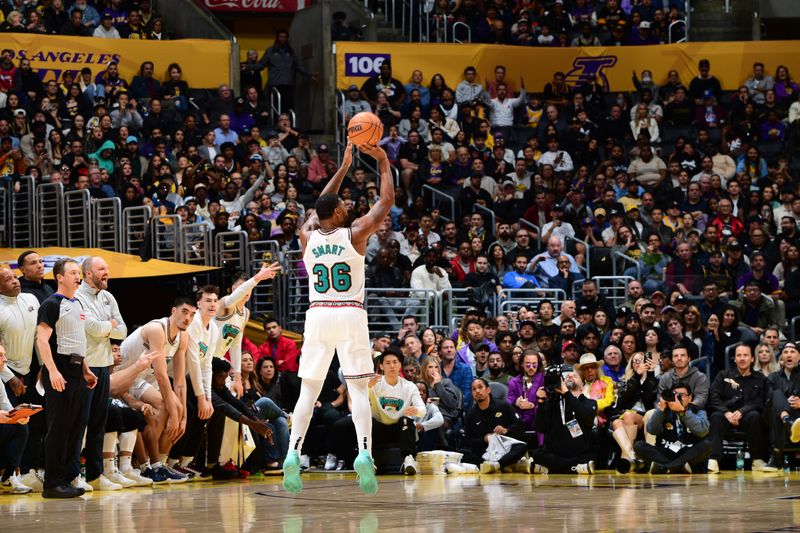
66, 377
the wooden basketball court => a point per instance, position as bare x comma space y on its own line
508, 502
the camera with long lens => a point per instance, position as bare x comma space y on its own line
552, 379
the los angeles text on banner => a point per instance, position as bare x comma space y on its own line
730, 62
51, 55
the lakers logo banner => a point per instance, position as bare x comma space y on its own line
612, 66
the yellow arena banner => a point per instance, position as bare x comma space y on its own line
205, 62
731, 62
123, 266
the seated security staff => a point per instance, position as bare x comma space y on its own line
736, 401
488, 416
681, 431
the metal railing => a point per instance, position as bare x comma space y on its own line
76, 227
585, 268
23, 214
135, 221
296, 294
457, 303
617, 257
230, 251
531, 226
195, 244
3, 216
49, 212
265, 299
386, 312
510, 298
276, 107
166, 237
446, 197
106, 224
467, 29
613, 288
674, 26
486, 212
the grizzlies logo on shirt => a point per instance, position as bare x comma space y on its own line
391, 404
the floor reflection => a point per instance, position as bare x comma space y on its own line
433, 504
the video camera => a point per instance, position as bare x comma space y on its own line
552, 379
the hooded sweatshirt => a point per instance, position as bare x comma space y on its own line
696, 381
107, 164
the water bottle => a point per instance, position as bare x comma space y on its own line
740, 460
786, 468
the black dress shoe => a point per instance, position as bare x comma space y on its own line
623, 465
63, 491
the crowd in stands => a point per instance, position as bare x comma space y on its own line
561, 23
691, 189
109, 19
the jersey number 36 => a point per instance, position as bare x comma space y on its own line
336, 278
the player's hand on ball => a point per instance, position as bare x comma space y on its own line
375, 152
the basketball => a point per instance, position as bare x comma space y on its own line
365, 128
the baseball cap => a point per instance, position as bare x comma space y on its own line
189, 199
614, 212
569, 344
644, 25
674, 205
657, 293
734, 245
599, 212
106, 15
20, 113
586, 221
200, 185
506, 183
631, 207
256, 157
527, 323
584, 310
352, 88
322, 148
131, 140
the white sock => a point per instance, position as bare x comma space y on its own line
124, 463
162, 458
156, 465
186, 461
301, 418
144, 466
362, 413
108, 466
171, 462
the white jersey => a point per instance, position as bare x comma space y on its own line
133, 346
335, 269
202, 340
230, 327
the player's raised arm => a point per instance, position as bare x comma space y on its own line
369, 223
336, 181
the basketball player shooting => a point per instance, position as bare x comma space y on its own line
336, 320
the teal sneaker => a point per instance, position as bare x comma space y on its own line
365, 469
291, 473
